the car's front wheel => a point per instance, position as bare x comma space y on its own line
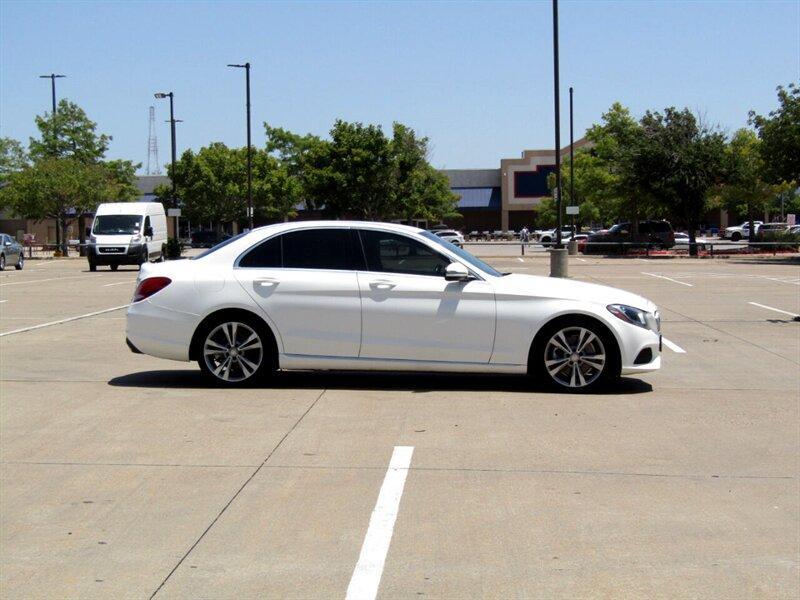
20, 263
235, 351
576, 356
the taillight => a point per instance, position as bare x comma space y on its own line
148, 287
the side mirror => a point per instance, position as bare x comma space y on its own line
8, 242
148, 231
456, 272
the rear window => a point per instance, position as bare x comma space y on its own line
220, 245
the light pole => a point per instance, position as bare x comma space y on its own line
52, 77
246, 67
571, 162
171, 96
558, 122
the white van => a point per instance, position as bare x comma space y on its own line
127, 233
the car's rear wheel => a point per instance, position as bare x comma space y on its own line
736, 236
235, 351
576, 356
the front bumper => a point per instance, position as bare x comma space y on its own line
130, 254
637, 341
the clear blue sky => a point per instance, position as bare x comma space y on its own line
474, 77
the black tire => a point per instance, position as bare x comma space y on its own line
246, 365
92, 267
2, 262
20, 263
114, 267
553, 368
736, 236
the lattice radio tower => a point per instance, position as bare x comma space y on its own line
152, 146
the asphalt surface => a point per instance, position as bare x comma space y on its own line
125, 476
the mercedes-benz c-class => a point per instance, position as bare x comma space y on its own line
345, 295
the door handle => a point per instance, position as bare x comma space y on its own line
266, 282
381, 285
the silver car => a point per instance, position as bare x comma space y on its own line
11, 252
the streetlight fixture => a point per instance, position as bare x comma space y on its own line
52, 77
246, 67
172, 121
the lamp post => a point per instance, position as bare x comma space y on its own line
171, 96
246, 67
558, 122
52, 77
571, 162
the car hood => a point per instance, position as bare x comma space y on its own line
568, 289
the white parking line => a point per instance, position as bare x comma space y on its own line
519, 259
673, 346
49, 279
582, 259
119, 282
1, 301
668, 279
67, 320
367, 574
778, 310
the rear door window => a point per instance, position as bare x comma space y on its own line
266, 255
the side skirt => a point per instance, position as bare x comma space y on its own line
336, 363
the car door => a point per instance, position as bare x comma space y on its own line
410, 312
305, 282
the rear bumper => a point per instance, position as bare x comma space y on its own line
158, 331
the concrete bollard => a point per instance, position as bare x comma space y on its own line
572, 246
558, 262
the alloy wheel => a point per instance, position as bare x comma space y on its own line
575, 357
233, 351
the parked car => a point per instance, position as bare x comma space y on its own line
11, 253
127, 233
450, 235
682, 241
771, 227
738, 232
207, 238
548, 236
338, 295
655, 234
581, 238
794, 229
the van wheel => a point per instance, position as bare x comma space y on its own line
92, 267
114, 267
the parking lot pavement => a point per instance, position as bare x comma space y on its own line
124, 475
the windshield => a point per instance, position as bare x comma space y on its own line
464, 255
618, 227
117, 224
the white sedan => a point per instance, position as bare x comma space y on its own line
338, 295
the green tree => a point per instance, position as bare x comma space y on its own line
212, 185
780, 136
12, 158
57, 189
351, 175
679, 161
619, 191
745, 190
595, 188
71, 134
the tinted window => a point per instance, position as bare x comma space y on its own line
647, 227
661, 226
267, 255
220, 245
393, 253
465, 256
318, 249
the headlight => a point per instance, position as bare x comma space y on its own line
136, 238
636, 316
92, 239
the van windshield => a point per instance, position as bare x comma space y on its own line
117, 224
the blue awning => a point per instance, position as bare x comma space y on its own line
484, 197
